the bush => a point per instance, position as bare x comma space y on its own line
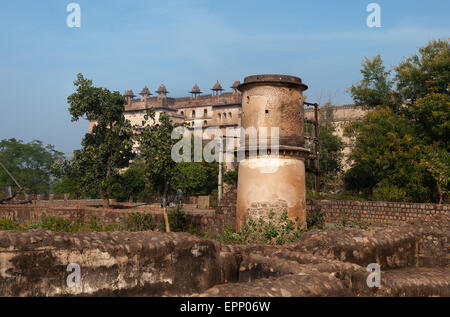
139, 222
213, 199
177, 220
277, 230
344, 223
59, 224
7, 224
315, 220
95, 224
231, 177
389, 193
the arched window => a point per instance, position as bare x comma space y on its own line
205, 112
182, 113
229, 114
193, 113
224, 115
219, 116
205, 122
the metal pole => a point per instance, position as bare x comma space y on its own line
316, 143
220, 180
316, 132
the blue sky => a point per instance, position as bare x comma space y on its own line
128, 44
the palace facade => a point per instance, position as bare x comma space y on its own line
219, 109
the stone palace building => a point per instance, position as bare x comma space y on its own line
219, 109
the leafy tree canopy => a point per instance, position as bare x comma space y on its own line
29, 163
109, 146
401, 149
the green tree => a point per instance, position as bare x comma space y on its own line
425, 73
376, 87
108, 148
401, 149
231, 177
131, 183
387, 159
156, 151
29, 163
436, 162
190, 177
67, 180
196, 178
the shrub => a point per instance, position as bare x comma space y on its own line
213, 199
344, 223
390, 193
177, 220
315, 220
139, 222
276, 230
8, 224
231, 177
94, 224
60, 224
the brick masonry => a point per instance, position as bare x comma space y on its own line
376, 213
372, 213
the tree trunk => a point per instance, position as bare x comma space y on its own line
166, 219
105, 201
131, 199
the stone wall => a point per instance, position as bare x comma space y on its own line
378, 213
375, 214
320, 263
33, 213
35, 263
207, 221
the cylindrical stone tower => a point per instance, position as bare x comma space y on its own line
273, 182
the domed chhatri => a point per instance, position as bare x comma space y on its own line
145, 91
235, 91
195, 91
217, 89
129, 93
217, 86
235, 84
162, 89
162, 92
